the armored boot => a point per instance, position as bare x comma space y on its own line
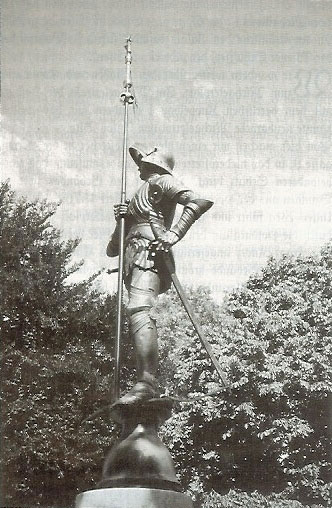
145, 389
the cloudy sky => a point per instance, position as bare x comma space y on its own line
238, 90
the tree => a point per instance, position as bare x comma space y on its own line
56, 361
270, 432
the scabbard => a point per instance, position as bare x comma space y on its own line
179, 289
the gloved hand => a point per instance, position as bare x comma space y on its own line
121, 210
165, 241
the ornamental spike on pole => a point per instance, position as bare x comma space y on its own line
127, 98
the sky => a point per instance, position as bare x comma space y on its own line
239, 91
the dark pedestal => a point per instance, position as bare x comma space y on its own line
138, 471
139, 458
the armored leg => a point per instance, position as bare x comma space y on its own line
143, 291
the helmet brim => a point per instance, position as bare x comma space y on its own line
164, 161
165, 168
137, 152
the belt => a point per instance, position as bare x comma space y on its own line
140, 231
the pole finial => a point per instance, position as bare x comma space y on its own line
127, 96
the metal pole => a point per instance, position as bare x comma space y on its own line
127, 98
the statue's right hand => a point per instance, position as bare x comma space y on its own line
121, 210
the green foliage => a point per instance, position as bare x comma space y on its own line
56, 361
270, 432
238, 499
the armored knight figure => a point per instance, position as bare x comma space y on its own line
145, 275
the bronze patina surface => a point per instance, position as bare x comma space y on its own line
139, 458
145, 272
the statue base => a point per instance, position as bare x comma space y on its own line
138, 471
139, 458
132, 498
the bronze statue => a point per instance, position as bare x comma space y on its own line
139, 468
145, 274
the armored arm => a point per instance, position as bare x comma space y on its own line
120, 211
112, 249
194, 207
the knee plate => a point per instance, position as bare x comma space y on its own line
141, 301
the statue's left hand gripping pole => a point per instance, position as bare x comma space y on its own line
127, 98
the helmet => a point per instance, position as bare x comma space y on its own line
158, 157
137, 151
